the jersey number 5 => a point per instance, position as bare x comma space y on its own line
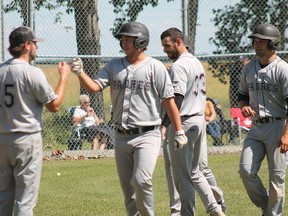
8, 97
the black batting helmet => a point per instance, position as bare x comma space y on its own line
135, 29
268, 32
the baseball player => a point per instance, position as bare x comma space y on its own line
188, 78
139, 87
263, 95
24, 91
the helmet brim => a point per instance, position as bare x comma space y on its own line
119, 35
261, 37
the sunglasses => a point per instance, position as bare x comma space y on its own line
34, 42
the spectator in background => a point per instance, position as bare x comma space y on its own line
86, 118
213, 127
225, 125
243, 60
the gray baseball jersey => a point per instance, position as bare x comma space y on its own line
189, 81
267, 87
136, 90
137, 93
23, 89
267, 90
188, 78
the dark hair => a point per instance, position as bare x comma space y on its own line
17, 51
173, 33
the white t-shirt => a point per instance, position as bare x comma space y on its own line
87, 121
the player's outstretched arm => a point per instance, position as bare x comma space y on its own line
64, 71
85, 81
88, 84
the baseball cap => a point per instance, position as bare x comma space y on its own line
242, 58
187, 42
21, 35
215, 100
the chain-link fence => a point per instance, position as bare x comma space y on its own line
218, 32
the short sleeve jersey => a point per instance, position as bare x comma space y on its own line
267, 87
188, 78
136, 91
87, 121
24, 90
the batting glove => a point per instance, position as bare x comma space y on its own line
77, 66
180, 139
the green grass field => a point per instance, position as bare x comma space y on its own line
91, 188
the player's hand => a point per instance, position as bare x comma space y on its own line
247, 111
180, 139
283, 143
77, 66
163, 132
64, 69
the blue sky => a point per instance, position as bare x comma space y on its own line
60, 38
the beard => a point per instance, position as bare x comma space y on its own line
32, 55
174, 55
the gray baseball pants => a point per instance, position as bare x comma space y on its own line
263, 140
20, 171
175, 203
136, 157
204, 168
185, 166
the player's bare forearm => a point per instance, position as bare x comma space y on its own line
173, 112
64, 71
284, 139
88, 84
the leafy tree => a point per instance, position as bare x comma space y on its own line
234, 24
130, 9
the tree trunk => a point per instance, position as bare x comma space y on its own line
88, 43
192, 22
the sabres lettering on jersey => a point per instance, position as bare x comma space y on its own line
132, 84
263, 87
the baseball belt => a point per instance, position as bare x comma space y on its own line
267, 120
135, 131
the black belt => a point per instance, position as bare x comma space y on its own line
188, 116
135, 131
267, 120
